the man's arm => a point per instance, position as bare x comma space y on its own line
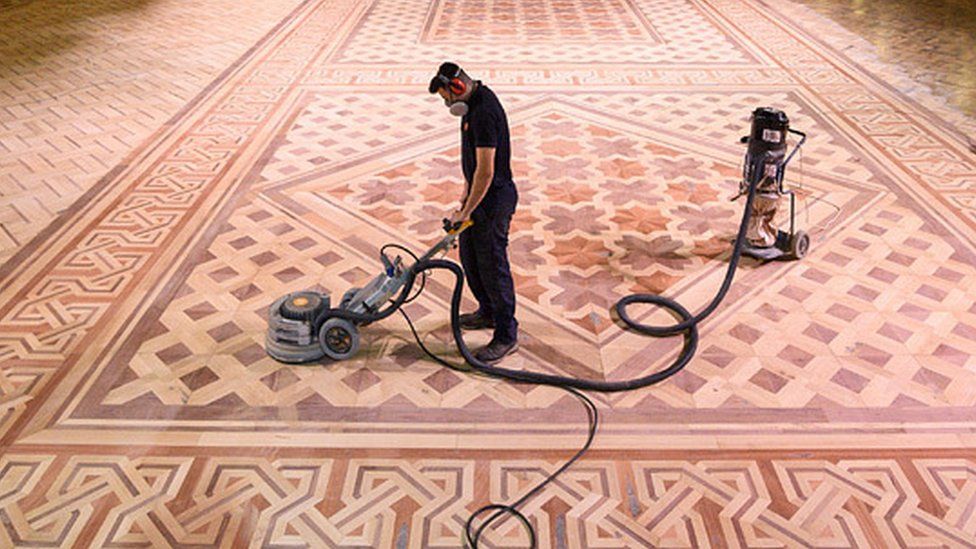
483, 174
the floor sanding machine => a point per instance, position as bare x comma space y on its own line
303, 326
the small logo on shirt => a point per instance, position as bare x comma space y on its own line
465, 126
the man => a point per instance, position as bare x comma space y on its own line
489, 201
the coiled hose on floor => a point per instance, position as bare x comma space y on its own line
687, 326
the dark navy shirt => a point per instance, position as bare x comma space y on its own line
485, 125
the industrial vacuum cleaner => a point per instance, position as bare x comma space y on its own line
765, 166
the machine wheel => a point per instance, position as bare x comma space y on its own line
339, 338
347, 297
799, 244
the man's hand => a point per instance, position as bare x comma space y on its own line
458, 217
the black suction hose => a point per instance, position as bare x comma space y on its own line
368, 318
688, 325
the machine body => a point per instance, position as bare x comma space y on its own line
765, 165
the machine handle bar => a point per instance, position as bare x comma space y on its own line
456, 227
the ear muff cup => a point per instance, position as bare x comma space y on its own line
458, 87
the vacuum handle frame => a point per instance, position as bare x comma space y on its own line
782, 170
803, 139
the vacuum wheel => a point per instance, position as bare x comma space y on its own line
302, 306
800, 244
347, 297
339, 338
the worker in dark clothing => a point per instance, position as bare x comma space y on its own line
489, 201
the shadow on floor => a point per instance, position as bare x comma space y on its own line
934, 40
33, 30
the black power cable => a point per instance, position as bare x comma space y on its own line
593, 419
592, 415
500, 510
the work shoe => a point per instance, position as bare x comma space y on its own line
474, 321
495, 351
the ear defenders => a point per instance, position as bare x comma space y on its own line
457, 86
448, 77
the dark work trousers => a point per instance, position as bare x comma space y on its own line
484, 256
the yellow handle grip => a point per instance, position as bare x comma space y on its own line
464, 225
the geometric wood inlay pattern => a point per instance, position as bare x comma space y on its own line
830, 403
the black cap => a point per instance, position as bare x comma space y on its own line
446, 71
